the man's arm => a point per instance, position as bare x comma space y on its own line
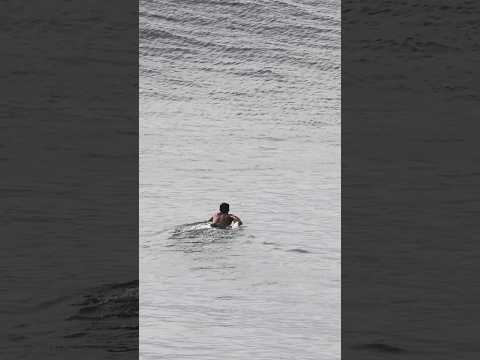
236, 218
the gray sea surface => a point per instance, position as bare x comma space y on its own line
410, 95
240, 102
68, 184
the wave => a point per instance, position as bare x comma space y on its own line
114, 300
107, 318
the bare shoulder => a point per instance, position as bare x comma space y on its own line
235, 217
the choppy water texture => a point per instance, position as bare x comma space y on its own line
240, 102
68, 181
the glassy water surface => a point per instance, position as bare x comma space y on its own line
240, 102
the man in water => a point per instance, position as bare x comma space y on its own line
223, 219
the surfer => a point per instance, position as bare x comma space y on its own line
222, 219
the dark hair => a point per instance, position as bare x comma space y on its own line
224, 208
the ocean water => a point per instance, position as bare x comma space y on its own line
68, 148
240, 102
410, 211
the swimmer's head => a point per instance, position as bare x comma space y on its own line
224, 208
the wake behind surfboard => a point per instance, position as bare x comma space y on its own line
201, 232
200, 228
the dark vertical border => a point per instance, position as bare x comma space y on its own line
410, 176
69, 179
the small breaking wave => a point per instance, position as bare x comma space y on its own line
107, 318
116, 300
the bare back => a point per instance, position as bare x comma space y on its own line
222, 219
